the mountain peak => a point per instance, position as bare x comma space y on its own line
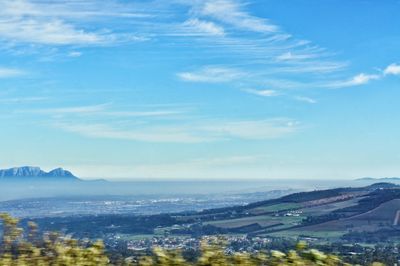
60, 172
36, 172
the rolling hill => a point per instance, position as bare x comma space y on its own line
328, 215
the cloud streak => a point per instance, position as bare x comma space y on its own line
58, 23
231, 13
6, 72
263, 93
305, 99
101, 110
212, 74
201, 27
210, 131
357, 80
23, 100
363, 78
54, 32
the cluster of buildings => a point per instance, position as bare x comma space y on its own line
233, 243
294, 213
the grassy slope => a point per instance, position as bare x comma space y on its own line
382, 216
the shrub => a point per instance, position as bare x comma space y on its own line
213, 254
50, 249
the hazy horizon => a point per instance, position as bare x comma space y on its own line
199, 179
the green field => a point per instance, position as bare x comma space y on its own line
262, 220
275, 208
313, 234
378, 218
327, 208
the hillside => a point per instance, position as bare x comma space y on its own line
334, 214
383, 216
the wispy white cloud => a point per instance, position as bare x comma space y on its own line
264, 93
363, 78
42, 22
166, 134
201, 27
357, 80
75, 54
162, 113
54, 32
283, 83
187, 133
72, 110
231, 12
392, 69
312, 67
212, 74
69, 9
23, 99
101, 110
290, 56
6, 72
257, 129
305, 99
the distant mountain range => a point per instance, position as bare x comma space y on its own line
378, 179
22, 173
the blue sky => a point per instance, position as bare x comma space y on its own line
219, 89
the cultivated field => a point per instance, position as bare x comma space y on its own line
383, 216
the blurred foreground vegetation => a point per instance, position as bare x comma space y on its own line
27, 247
